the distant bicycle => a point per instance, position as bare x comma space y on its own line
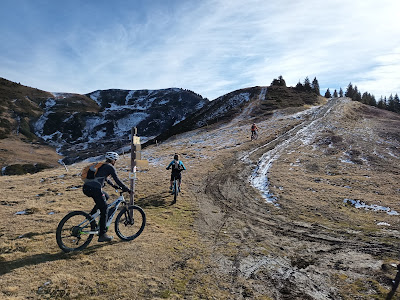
175, 190
176, 176
76, 230
254, 135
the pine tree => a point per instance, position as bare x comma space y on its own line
299, 86
364, 98
372, 100
315, 86
328, 94
340, 92
282, 81
275, 82
368, 99
390, 104
279, 82
381, 103
350, 91
356, 94
307, 84
396, 103
335, 94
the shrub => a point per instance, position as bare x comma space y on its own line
21, 169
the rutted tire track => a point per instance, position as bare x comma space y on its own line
250, 221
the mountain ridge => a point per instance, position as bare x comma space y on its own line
309, 210
85, 126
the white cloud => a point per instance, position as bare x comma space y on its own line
213, 47
384, 79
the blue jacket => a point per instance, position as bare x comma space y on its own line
174, 169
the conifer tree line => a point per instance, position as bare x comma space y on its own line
306, 86
392, 103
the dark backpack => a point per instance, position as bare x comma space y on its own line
176, 166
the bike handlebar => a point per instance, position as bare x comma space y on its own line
120, 191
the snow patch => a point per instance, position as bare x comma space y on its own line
383, 224
374, 207
95, 97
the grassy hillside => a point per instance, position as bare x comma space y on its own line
18, 105
262, 102
20, 149
223, 239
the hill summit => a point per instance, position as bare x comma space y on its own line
79, 127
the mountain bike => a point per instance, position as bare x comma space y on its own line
76, 230
254, 135
175, 189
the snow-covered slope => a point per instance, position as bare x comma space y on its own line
80, 133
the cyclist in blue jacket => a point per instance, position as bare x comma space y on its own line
177, 167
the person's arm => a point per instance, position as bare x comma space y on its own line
170, 164
118, 181
111, 183
183, 165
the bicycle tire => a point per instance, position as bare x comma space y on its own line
254, 136
126, 230
176, 191
69, 234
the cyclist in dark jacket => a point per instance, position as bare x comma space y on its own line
177, 167
93, 188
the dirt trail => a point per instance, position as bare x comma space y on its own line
262, 249
223, 239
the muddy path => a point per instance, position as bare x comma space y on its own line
262, 249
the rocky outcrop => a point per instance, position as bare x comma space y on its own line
83, 126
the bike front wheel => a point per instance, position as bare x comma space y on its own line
130, 222
75, 231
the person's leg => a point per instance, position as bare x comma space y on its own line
88, 191
171, 182
179, 178
94, 210
100, 199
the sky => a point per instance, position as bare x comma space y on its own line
211, 47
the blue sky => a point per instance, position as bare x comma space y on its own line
209, 46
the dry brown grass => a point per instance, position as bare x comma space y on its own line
221, 240
158, 264
15, 151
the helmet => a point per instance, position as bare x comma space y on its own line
112, 155
176, 157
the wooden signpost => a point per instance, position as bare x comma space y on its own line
132, 174
136, 161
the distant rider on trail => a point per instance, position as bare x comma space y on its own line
93, 188
177, 167
254, 130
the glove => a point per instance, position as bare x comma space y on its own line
125, 189
167, 168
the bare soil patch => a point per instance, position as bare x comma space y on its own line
223, 239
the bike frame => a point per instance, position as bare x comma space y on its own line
175, 185
117, 202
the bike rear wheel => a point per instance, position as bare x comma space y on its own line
254, 135
128, 228
176, 190
75, 231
